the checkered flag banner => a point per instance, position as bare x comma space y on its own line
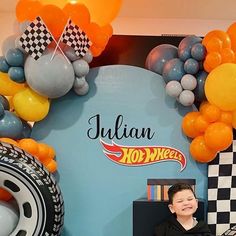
36, 38
74, 37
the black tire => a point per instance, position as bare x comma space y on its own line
39, 199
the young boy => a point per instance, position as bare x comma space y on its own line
182, 204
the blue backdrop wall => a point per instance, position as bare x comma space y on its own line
98, 193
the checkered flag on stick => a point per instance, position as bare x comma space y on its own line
36, 38
74, 37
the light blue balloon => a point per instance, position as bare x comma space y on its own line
23, 25
4, 102
173, 70
15, 57
81, 67
8, 43
10, 125
199, 91
184, 49
198, 51
159, 55
4, 67
191, 66
17, 74
50, 78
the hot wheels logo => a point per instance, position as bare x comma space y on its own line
142, 155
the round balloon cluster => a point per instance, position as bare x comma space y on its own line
181, 69
219, 48
211, 130
13, 65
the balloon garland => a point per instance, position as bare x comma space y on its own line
202, 71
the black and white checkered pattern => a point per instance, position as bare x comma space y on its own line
74, 37
36, 38
222, 191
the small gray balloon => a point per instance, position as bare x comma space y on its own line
173, 88
8, 43
83, 90
79, 82
70, 53
81, 67
188, 82
88, 56
186, 98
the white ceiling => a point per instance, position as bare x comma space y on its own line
191, 9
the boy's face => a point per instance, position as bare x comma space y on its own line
184, 203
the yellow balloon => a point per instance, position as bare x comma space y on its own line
9, 87
102, 12
57, 3
234, 119
30, 106
220, 87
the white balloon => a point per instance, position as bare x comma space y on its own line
186, 98
173, 88
188, 82
8, 218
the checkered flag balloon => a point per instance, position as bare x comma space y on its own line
74, 37
36, 38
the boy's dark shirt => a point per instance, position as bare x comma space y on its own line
172, 227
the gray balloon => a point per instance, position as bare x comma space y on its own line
81, 67
186, 98
88, 56
50, 78
70, 53
188, 82
199, 91
79, 82
173, 88
8, 43
83, 90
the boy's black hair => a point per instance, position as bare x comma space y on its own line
177, 188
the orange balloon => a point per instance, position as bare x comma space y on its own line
54, 18
51, 153
214, 45
78, 13
5, 195
221, 35
226, 117
234, 119
213, 60
200, 151
9, 140
57, 3
29, 145
231, 31
227, 55
51, 166
43, 152
218, 136
27, 10
211, 112
188, 124
95, 50
107, 29
102, 12
201, 124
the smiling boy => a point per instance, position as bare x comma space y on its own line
182, 204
